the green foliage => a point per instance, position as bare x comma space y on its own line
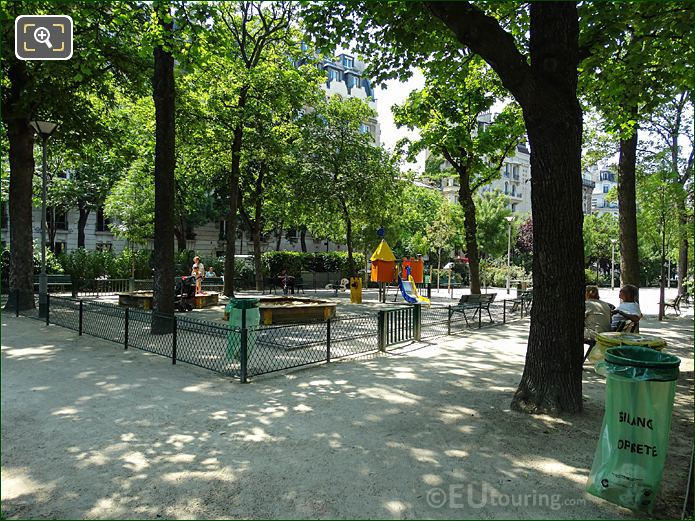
87, 264
494, 273
52, 264
294, 262
598, 230
492, 211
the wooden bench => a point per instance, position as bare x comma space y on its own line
674, 303
474, 302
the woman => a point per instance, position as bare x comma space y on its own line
198, 271
597, 315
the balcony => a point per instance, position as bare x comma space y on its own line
515, 177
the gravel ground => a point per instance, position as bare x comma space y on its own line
90, 431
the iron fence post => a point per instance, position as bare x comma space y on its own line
173, 340
504, 311
429, 290
127, 325
448, 320
243, 345
417, 322
480, 315
381, 330
328, 340
80, 321
522, 308
48, 308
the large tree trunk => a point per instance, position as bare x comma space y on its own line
21, 156
471, 229
81, 224
627, 209
164, 164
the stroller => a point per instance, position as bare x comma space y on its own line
184, 292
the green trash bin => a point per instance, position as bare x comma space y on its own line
631, 452
242, 312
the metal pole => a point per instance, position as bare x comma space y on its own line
504, 311
243, 345
48, 308
173, 341
42, 277
80, 320
328, 340
509, 254
127, 326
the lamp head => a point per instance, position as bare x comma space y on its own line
509, 218
44, 128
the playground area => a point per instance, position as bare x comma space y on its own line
99, 432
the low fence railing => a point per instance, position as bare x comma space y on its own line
255, 350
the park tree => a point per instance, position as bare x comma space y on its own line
107, 54
347, 177
244, 36
541, 73
672, 127
598, 230
448, 114
492, 210
632, 54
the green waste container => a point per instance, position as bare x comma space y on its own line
242, 312
631, 452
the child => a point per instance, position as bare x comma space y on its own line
198, 280
628, 308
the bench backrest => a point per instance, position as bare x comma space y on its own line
213, 280
487, 298
58, 279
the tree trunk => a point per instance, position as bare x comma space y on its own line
470, 226
302, 239
552, 378
21, 156
81, 224
348, 236
627, 209
682, 251
164, 164
278, 237
180, 234
257, 225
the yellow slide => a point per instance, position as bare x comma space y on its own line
419, 297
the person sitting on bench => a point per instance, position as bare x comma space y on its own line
597, 315
628, 308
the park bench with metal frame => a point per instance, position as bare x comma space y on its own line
473, 302
525, 297
674, 303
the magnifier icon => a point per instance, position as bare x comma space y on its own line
42, 35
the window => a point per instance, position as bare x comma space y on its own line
355, 82
104, 246
334, 75
61, 218
515, 171
506, 170
605, 189
220, 253
365, 129
506, 187
513, 191
514, 207
3, 215
223, 230
348, 62
102, 222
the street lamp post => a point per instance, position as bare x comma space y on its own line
509, 249
613, 241
43, 129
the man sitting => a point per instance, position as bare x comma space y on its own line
597, 315
628, 308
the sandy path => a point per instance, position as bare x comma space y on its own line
89, 431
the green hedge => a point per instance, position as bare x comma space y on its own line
273, 262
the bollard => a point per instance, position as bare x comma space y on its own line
127, 323
80, 321
328, 340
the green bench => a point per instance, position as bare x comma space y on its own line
475, 303
54, 282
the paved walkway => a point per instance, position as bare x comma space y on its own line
90, 431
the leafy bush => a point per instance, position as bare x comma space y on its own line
52, 264
273, 262
444, 277
494, 274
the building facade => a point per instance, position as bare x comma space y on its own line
604, 181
